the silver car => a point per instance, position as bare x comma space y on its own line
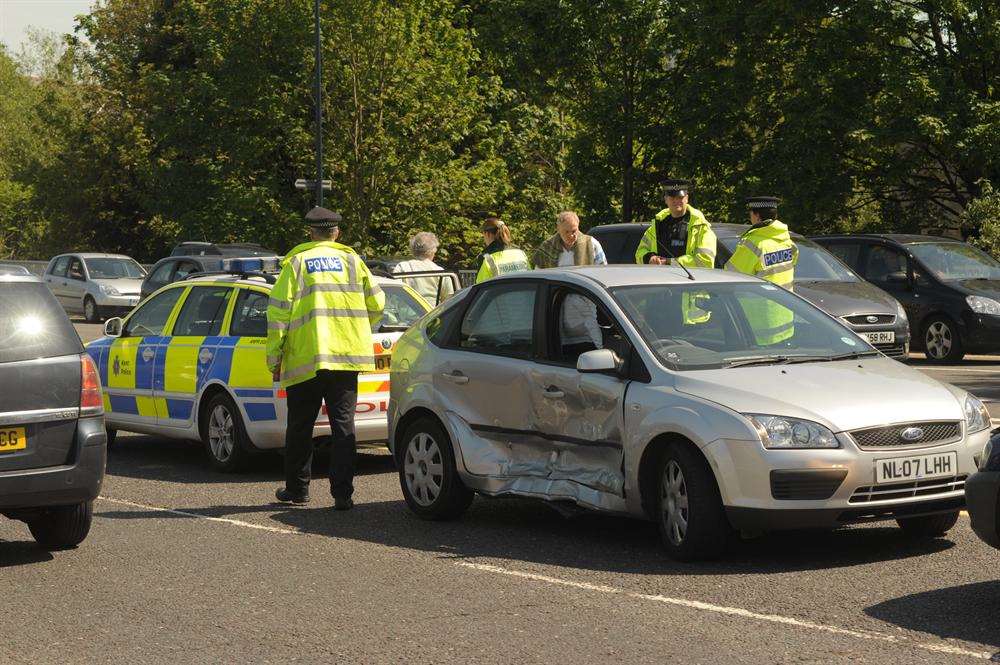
642, 391
98, 286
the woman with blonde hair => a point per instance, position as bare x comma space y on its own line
500, 257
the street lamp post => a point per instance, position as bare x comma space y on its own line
319, 109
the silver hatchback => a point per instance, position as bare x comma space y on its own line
713, 404
98, 286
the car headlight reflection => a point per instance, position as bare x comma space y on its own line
981, 305
779, 432
977, 418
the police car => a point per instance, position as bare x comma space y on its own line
189, 363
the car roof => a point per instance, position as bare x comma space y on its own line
96, 255
901, 238
632, 275
26, 279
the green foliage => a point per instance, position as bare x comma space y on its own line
983, 213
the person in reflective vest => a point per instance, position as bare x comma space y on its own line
766, 250
319, 337
679, 233
500, 256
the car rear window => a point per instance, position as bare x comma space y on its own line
33, 325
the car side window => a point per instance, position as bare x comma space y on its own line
185, 268
847, 252
501, 320
59, 267
886, 266
250, 315
162, 274
203, 311
76, 270
151, 317
577, 324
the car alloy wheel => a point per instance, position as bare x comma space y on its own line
423, 469
90, 310
221, 433
675, 503
938, 340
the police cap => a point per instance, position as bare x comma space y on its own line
762, 202
676, 187
321, 218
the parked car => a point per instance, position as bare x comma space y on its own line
613, 399
188, 363
949, 289
10, 269
52, 438
95, 285
819, 277
982, 493
230, 249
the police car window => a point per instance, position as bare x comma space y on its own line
501, 320
203, 311
151, 317
250, 316
401, 309
59, 267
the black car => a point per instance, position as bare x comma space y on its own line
950, 289
982, 493
175, 268
52, 438
820, 278
232, 249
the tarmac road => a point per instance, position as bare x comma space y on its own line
187, 565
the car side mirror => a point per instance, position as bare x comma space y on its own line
113, 327
598, 361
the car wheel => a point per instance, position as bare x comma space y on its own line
928, 526
427, 473
690, 515
224, 435
91, 312
942, 343
62, 526
112, 436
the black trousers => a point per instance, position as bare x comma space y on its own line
340, 390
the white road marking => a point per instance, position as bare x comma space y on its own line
936, 647
224, 520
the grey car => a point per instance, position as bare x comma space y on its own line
52, 433
596, 386
98, 286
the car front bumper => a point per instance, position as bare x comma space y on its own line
124, 302
766, 490
981, 333
982, 494
62, 485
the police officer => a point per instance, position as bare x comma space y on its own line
766, 250
319, 337
679, 232
500, 256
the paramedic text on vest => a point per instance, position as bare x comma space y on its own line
500, 256
678, 233
319, 337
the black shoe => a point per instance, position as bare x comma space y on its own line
343, 504
284, 496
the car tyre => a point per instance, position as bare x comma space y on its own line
224, 435
62, 526
689, 510
91, 312
942, 341
928, 526
428, 475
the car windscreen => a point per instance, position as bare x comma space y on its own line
402, 309
712, 325
33, 325
815, 264
953, 261
114, 269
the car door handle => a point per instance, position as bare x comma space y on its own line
553, 393
456, 377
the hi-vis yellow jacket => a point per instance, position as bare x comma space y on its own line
766, 250
503, 262
321, 312
701, 242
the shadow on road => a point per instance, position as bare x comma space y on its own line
530, 531
970, 612
22, 554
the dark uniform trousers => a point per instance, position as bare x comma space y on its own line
340, 390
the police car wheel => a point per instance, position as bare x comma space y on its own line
690, 515
91, 312
223, 434
427, 474
62, 526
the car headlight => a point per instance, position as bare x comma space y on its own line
981, 305
109, 290
779, 432
900, 312
977, 418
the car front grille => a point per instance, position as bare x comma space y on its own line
891, 436
862, 319
892, 350
909, 489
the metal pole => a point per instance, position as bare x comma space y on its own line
319, 111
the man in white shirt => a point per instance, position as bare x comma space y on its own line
423, 247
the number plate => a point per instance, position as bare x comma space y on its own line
383, 363
11, 439
915, 467
883, 337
